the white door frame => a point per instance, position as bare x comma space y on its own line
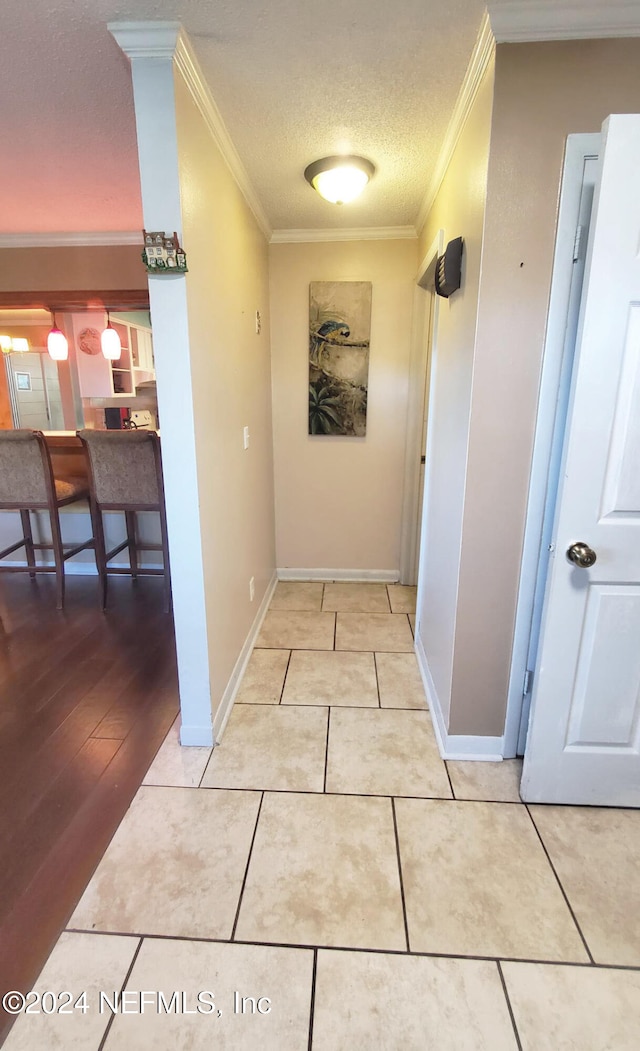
579, 148
423, 336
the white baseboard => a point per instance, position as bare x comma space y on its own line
229, 695
454, 746
382, 576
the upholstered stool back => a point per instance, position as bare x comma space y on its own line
126, 475
27, 483
124, 467
22, 469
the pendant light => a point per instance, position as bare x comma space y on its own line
57, 344
339, 179
110, 342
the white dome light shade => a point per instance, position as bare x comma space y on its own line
110, 343
57, 345
339, 179
341, 185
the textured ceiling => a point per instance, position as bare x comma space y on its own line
293, 82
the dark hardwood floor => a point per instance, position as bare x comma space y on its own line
86, 699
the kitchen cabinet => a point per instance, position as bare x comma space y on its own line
98, 377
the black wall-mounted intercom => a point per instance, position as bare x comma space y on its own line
448, 274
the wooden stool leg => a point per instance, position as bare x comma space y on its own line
165, 559
101, 553
28, 542
58, 557
130, 521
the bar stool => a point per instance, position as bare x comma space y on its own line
27, 484
125, 474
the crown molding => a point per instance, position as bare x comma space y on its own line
168, 40
515, 21
481, 57
95, 239
362, 233
512, 21
146, 39
193, 77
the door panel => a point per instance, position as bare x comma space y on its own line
622, 482
583, 744
608, 667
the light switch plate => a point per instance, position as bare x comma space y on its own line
245, 437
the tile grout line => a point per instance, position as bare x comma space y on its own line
326, 753
335, 629
453, 791
312, 1005
308, 947
312, 650
375, 665
388, 598
346, 795
246, 871
404, 904
310, 792
351, 707
511, 1014
286, 672
122, 988
206, 767
562, 890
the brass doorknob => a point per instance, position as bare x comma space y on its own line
581, 555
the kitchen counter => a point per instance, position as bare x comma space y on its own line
68, 456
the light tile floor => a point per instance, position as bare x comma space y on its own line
325, 880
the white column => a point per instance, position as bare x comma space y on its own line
151, 48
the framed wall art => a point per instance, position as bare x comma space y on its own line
339, 336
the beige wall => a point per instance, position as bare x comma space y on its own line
231, 384
543, 92
458, 210
339, 500
72, 269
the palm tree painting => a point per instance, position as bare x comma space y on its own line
339, 334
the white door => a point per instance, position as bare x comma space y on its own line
584, 737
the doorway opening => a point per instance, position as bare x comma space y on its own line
576, 202
423, 338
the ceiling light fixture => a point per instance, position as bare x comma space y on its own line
6, 344
57, 344
339, 179
110, 342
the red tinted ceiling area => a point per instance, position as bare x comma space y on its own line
67, 128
